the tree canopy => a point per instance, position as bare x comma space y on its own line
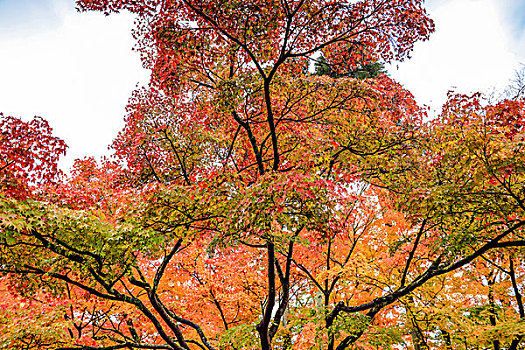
255, 204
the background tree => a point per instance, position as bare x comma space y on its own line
368, 70
516, 89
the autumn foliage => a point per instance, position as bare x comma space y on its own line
252, 203
28, 155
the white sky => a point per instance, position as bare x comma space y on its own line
478, 45
77, 70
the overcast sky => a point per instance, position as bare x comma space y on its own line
478, 45
77, 70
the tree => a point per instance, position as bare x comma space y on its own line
254, 205
470, 186
28, 159
516, 88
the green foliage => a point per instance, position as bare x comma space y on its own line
239, 337
28, 325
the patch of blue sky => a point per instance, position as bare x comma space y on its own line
516, 11
26, 17
516, 16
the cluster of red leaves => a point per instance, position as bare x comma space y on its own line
28, 155
89, 186
507, 116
